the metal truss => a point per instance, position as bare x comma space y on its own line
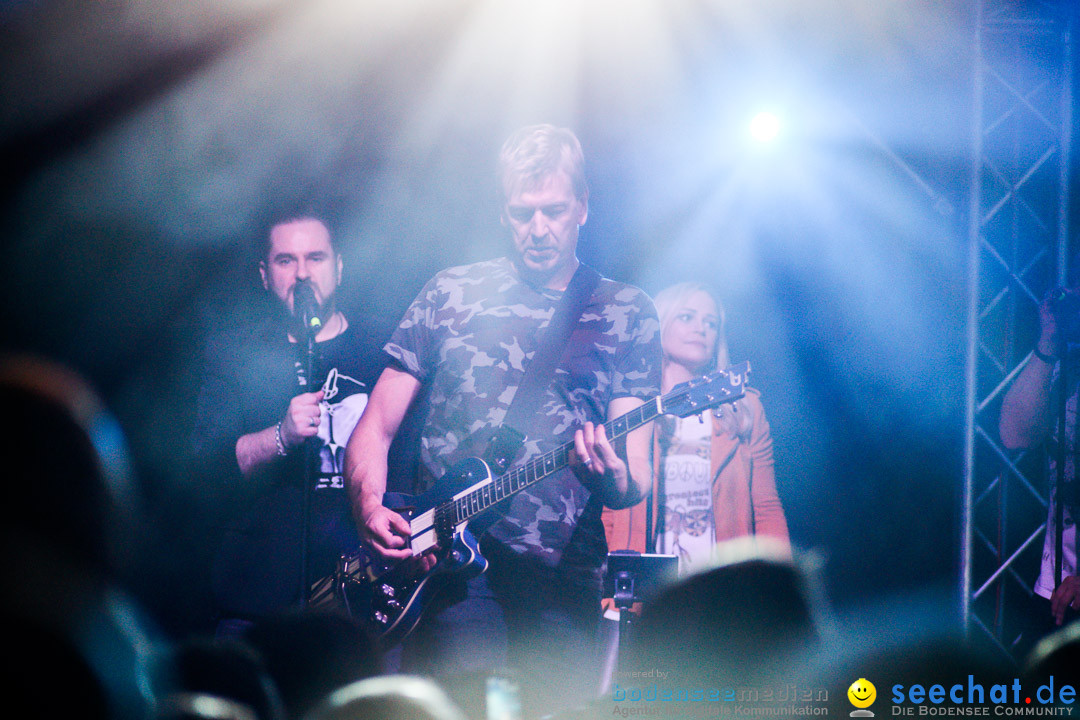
1018, 249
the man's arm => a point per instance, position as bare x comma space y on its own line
1025, 411
366, 462
621, 481
258, 449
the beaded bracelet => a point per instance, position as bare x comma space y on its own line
277, 436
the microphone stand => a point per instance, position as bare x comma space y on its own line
307, 475
624, 597
654, 532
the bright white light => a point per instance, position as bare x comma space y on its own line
764, 127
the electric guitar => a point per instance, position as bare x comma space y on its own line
389, 597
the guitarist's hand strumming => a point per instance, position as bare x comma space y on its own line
386, 532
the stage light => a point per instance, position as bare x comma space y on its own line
764, 127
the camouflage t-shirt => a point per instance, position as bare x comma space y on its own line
471, 332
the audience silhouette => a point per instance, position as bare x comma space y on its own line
69, 511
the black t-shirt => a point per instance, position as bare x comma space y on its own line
251, 375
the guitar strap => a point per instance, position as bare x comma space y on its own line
506, 443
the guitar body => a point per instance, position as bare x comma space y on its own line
389, 598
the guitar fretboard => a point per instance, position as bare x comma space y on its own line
542, 466
714, 389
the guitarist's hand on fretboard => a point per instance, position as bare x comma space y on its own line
615, 462
595, 461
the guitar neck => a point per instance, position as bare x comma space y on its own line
721, 386
545, 465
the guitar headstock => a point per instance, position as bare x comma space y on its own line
716, 388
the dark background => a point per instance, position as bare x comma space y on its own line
144, 147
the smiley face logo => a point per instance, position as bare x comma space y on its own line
862, 693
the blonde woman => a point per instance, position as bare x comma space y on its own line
714, 471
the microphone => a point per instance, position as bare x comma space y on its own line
306, 307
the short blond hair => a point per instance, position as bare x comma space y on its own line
534, 153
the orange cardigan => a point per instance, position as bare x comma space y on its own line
744, 495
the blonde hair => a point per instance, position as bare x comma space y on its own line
733, 417
533, 153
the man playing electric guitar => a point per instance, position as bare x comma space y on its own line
470, 335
